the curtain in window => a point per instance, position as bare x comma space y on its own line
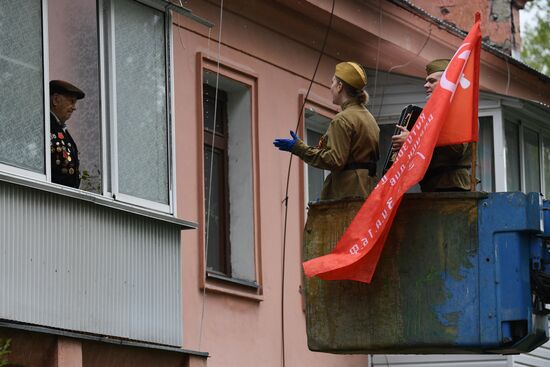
21, 85
141, 101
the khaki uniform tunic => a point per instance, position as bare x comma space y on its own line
449, 169
352, 137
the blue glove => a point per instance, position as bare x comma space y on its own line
286, 144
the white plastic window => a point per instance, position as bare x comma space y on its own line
316, 125
22, 86
140, 83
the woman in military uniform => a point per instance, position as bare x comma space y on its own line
349, 148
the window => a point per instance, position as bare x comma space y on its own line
546, 165
485, 168
118, 53
316, 125
22, 138
215, 179
526, 156
230, 241
511, 156
139, 104
73, 56
531, 160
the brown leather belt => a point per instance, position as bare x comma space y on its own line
371, 166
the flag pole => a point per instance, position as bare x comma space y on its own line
473, 180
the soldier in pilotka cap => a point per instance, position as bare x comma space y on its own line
64, 152
449, 168
349, 148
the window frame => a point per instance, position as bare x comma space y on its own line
325, 109
211, 281
22, 172
224, 250
499, 160
42, 181
498, 169
108, 91
514, 111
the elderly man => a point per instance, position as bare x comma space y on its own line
64, 152
449, 169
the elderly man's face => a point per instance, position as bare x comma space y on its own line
431, 82
63, 106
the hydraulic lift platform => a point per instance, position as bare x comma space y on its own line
460, 273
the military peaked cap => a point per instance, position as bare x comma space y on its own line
66, 88
437, 65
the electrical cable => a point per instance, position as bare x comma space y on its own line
207, 207
390, 70
285, 200
378, 49
508, 77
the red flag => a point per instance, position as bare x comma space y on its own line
461, 125
356, 254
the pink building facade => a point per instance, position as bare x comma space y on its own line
176, 251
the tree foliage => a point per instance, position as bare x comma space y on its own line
536, 39
4, 351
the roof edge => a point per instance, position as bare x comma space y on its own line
407, 5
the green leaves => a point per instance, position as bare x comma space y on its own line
536, 39
4, 351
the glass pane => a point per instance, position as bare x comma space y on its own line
21, 85
212, 100
511, 154
532, 160
546, 162
215, 209
316, 126
74, 54
485, 155
240, 179
142, 130
315, 176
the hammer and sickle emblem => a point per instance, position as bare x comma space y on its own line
464, 83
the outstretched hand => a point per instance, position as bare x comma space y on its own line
398, 140
286, 144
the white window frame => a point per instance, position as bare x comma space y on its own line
107, 113
499, 160
25, 173
306, 167
108, 109
514, 111
320, 107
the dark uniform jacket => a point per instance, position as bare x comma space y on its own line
351, 139
449, 169
64, 155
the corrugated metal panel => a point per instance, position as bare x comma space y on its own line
390, 93
439, 361
74, 265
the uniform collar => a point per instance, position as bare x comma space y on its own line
349, 103
63, 125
